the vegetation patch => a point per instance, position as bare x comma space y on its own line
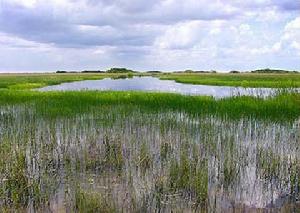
254, 80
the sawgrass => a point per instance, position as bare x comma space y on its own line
240, 80
52, 104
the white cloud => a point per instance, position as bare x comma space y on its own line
25, 3
182, 35
293, 25
150, 34
292, 34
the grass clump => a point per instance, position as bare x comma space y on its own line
190, 177
104, 156
87, 201
123, 76
145, 159
165, 150
113, 154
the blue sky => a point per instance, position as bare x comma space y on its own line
49, 35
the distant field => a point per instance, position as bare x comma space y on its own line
241, 80
31, 81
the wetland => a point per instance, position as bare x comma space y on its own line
135, 151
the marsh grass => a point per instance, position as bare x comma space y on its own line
141, 159
89, 201
123, 76
146, 152
32, 81
239, 80
54, 104
19, 188
145, 158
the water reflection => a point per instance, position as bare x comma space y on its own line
157, 85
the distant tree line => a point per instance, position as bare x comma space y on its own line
92, 71
84, 71
154, 72
120, 70
273, 71
111, 70
195, 71
267, 70
126, 71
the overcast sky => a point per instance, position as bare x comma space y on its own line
49, 35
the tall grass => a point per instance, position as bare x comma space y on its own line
52, 104
127, 156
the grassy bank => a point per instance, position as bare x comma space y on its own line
240, 79
284, 106
31, 81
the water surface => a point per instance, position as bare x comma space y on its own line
157, 85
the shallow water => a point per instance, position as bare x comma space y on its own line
138, 161
157, 85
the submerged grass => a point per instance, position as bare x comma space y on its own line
284, 106
126, 154
241, 80
92, 201
18, 188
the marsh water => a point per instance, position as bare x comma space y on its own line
128, 159
157, 85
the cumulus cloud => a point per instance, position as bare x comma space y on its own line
292, 32
149, 34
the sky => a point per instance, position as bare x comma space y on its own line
223, 35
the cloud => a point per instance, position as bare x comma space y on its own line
291, 35
46, 27
287, 5
180, 36
148, 34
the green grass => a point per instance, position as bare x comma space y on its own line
31, 81
241, 80
16, 90
133, 138
55, 104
